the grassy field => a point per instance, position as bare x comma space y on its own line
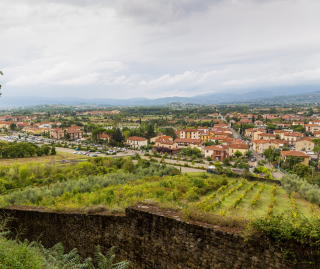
49, 158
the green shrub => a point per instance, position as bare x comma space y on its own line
87, 184
60, 177
197, 182
293, 183
300, 233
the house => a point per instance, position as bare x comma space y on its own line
317, 122
184, 143
136, 141
163, 138
34, 130
203, 130
204, 137
296, 154
214, 115
190, 134
304, 144
312, 127
225, 140
223, 134
73, 127
45, 124
223, 125
248, 132
256, 133
165, 144
57, 133
298, 123
22, 125
153, 139
286, 125
5, 124
105, 137
232, 148
217, 152
279, 132
261, 145
291, 137
74, 134
266, 136
258, 123
245, 121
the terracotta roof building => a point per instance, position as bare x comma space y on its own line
297, 154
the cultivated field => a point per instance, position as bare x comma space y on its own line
198, 192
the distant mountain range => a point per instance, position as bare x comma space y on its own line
312, 97
267, 96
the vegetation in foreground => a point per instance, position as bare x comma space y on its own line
287, 215
25, 255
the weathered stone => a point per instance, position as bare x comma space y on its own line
147, 240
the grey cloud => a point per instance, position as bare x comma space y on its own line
142, 10
153, 48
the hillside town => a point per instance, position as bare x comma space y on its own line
281, 139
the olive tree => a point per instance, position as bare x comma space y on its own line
238, 154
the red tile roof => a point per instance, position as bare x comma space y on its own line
216, 147
238, 146
188, 140
294, 153
189, 130
265, 134
136, 138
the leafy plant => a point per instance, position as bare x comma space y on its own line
297, 235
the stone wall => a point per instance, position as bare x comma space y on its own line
146, 239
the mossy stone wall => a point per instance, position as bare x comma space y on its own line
146, 239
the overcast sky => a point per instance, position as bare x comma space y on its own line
145, 48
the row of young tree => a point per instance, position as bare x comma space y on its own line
24, 149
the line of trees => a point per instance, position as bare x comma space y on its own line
24, 149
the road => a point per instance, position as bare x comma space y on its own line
132, 152
184, 169
235, 135
276, 175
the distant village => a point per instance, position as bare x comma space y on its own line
228, 134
